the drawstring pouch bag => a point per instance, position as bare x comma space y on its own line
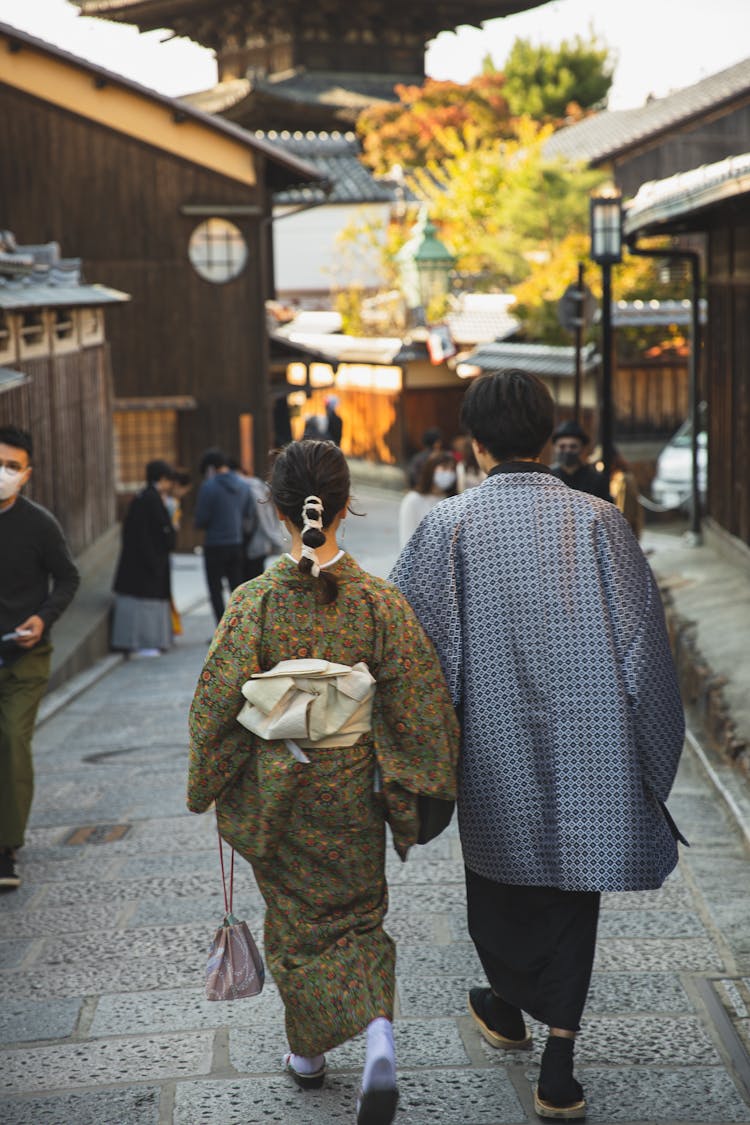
235, 967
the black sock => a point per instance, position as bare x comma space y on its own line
556, 1082
504, 1018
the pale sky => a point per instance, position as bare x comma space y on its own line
660, 45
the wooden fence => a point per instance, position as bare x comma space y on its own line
66, 405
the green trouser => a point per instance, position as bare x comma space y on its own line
22, 685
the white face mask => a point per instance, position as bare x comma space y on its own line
444, 479
11, 481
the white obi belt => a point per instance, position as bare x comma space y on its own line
309, 704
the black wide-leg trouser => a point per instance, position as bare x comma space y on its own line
536, 945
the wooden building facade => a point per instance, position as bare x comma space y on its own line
171, 206
715, 201
56, 382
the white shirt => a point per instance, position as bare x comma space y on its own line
414, 507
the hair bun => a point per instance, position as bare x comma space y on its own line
312, 537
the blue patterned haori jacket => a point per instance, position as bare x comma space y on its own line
550, 631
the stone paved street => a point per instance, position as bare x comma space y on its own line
102, 949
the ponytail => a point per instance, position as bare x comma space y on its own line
310, 484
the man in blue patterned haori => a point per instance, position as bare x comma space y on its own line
550, 631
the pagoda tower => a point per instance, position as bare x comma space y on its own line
296, 65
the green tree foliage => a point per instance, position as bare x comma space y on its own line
636, 278
547, 83
502, 206
410, 131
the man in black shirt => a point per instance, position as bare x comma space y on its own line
38, 579
569, 440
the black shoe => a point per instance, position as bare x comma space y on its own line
559, 1096
9, 877
481, 1005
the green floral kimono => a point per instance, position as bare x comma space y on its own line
315, 834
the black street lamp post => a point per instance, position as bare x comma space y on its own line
606, 250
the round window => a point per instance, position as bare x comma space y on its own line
217, 250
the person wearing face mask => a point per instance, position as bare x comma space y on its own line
569, 440
437, 479
38, 579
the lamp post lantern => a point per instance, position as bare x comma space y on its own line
606, 250
425, 265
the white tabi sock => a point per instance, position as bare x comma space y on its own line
380, 1060
305, 1065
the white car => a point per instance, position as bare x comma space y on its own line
671, 486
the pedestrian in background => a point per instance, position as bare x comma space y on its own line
38, 580
335, 425
142, 618
468, 473
310, 816
437, 480
225, 509
267, 538
626, 493
550, 631
432, 442
569, 441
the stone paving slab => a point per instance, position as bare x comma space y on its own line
656, 1041
66, 920
699, 1095
106, 1061
650, 924
164, 1010
674, 895
438, 962
126, 975
465, 1096
651, 954
23, 1020
610, 992
259, 1048
637, 992
118, 891
136, 1104
12, 953
423, 899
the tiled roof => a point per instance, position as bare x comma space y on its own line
37, 277
539, 359
677, 197
482, 318
336, 157
613, 131
637, 314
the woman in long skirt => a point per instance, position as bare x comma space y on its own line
142, 620
309, 815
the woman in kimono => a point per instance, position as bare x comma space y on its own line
551, 635
311, 819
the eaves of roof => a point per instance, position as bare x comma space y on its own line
336, 157
13, 296
10, 378
337, 348
682, 199
291, 170
612, 132
539, 359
